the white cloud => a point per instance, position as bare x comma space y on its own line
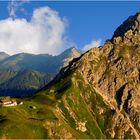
94, 43
44, 33
15, 6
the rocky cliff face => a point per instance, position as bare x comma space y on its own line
132, 23
129, 31
113, 71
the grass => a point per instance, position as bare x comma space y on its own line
24, 122
71, 94
24, 130
76, 103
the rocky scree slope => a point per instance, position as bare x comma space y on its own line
97, 95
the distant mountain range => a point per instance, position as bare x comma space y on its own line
22, 74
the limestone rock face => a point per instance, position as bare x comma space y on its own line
113, 70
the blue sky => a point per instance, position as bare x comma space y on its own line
87, 20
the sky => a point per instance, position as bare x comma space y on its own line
53, 26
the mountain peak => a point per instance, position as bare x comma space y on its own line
70, 49
75, 51
129, 30
3, 56
71, 52
132, 23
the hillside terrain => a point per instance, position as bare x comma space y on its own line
95, 96
23, 74
23, 83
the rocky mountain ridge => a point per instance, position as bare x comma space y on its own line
128, 31
113, 71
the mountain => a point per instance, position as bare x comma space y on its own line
95, 97
6, 74
68, 55
97, 94
24, 83
3, 56
42, 62
23, 74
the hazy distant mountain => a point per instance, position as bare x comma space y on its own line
23, 74
3, 56
43, 62
24, 83
6, 74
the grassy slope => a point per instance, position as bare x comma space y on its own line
58, 111
76, 102
24, 122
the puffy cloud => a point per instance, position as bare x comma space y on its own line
94, 43
44, 33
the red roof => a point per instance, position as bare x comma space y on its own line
7, 101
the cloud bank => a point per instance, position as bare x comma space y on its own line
44, 33
94, 43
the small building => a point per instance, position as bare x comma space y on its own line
8, 102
